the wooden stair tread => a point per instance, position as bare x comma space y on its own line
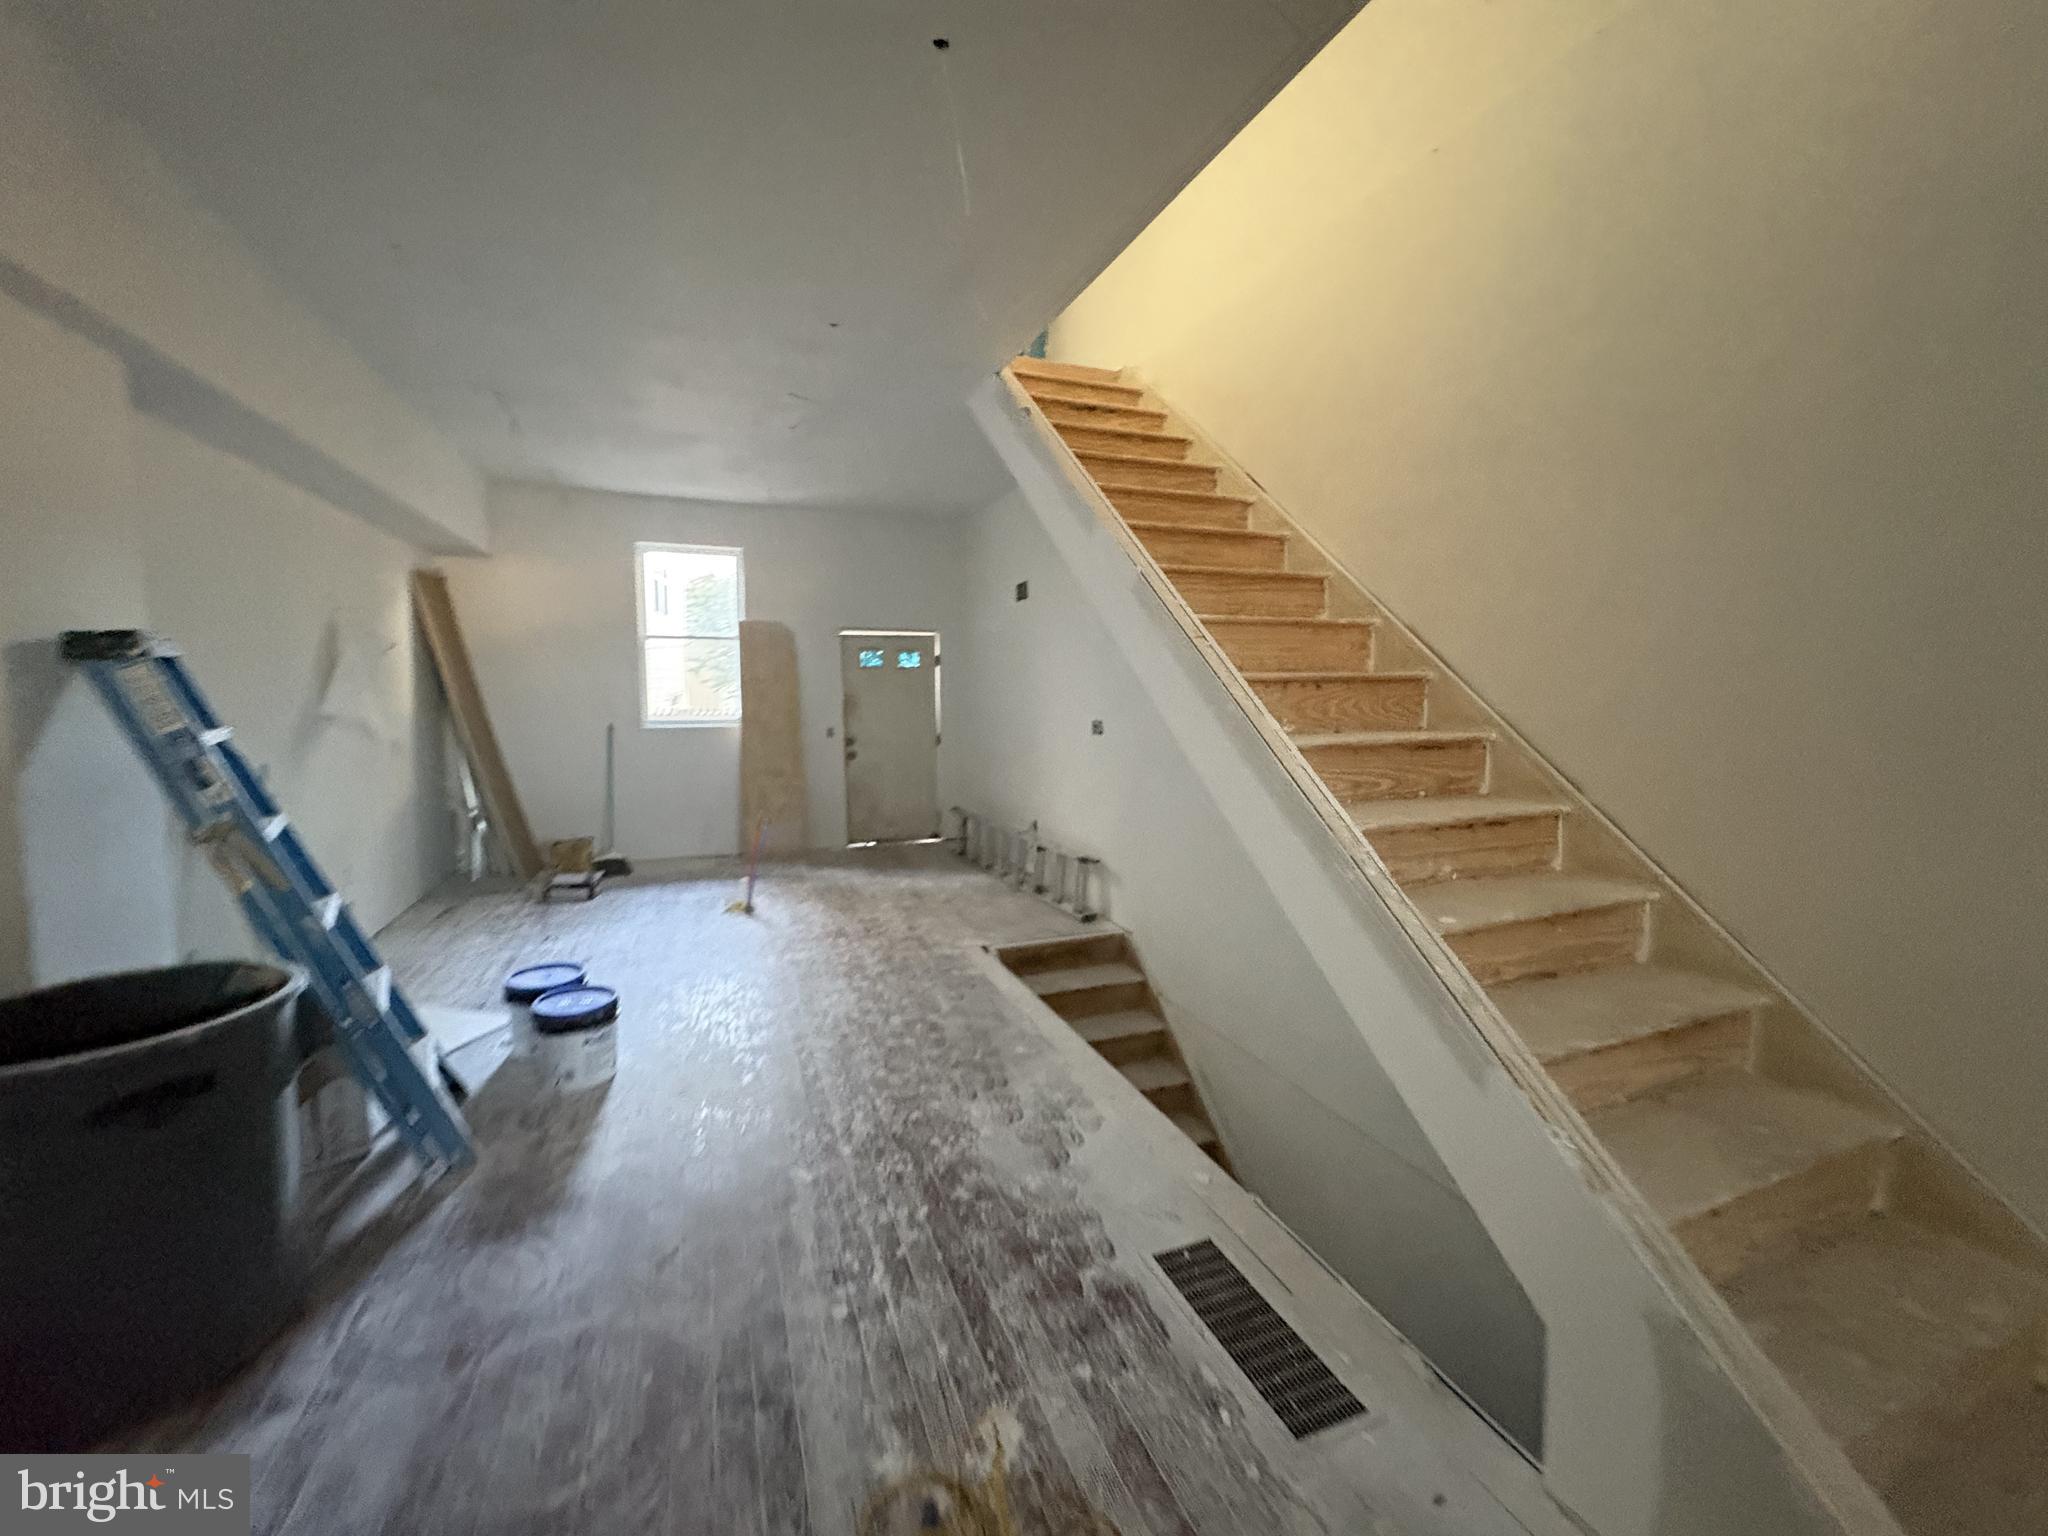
1562, 1016
1151, 1074
1335, 676
1415, 738
1123, 1024
1371, 816
1149, 460
1179, 493
1195, 1127
1722, 1135
1463, 906
1049, 392
1047, 368
1323, 623
1081, 978
1239, 573
1143, 525
1136, 435
1882, 1327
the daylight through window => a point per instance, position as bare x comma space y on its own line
691, 601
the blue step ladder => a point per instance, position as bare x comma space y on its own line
288, 901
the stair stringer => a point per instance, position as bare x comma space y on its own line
1661, 1414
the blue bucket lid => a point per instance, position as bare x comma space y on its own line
577, 1007
527, 983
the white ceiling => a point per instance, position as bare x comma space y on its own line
753, 251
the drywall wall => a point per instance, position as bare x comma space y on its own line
1312, 1124
1678, 375
96, 232
142, 493
550, 623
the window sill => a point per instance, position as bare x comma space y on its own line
690, 725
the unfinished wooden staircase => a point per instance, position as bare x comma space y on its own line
1902, 1302
1096, 984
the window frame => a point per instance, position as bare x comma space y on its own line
641, 550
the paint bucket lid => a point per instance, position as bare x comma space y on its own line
570, 1008
527, 983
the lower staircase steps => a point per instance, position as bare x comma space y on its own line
1509, 927
1446, 837
1224, 590
1609, 1035
1280, 645
1921, 1350
1182, 544
1096, 984
1338, 701
1897, 1335
1150, 470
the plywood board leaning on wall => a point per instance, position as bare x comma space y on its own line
772, 792
436, 611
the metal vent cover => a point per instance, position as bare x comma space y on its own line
1287, 1373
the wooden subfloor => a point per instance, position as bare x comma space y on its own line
843, 1207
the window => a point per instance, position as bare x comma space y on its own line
871, 658
910, 661
691, 600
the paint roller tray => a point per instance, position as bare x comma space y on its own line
574, 1007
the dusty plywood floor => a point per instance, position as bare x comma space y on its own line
839, 1207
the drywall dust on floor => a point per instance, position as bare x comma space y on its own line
837, 1207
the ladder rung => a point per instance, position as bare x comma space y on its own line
217, 735
329, 909
378, 985
273, 827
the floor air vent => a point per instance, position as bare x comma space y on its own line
1294, 1383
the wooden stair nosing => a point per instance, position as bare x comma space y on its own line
1375, 816
1312, 741
1141, 460
1075, 392
1239, 573
1173, 493
1053, 370
1473, 906
1136, 435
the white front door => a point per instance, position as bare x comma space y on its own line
892, 736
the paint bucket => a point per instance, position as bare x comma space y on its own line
530, 981
573, 1036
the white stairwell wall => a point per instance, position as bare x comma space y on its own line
185, 448
1645, 1430
1311, 1123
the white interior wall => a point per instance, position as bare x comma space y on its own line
1313, 1125
188, 452
1677, 373
549, 618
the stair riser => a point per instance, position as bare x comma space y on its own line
1554, 946
1233, 515
1244, 551
1826, 1198
1256, 647
1165, 477
1086, 1002
1046, 368
1062, 413
1349, 704
1519, 845
1401, 771
1600, 1078
1064, 954
1088, 390
1252, 596
1152, 445
1179, 1098
1129, 1048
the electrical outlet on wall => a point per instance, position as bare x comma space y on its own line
1023, 590
1094, 727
